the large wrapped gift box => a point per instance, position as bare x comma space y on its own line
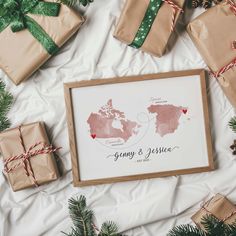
21, 54
214, 35
132, 21
38, 167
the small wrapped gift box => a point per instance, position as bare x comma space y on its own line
31, 31
220, 207
148, 24
28, 157
214, 35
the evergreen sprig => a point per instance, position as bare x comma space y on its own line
6, 100
232, 123
82, 219
109, 228
73, 2
212, 227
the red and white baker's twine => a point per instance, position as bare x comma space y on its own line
233, 62
224, 219
25, 156
175, 8
232, 6
225, 68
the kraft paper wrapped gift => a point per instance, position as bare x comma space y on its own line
21, 54
43, 165
157, 38
220, 207
214, 35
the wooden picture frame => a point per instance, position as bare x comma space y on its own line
84, 88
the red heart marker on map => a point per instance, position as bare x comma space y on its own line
93, 136
184, 111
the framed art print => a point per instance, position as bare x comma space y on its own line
138, 127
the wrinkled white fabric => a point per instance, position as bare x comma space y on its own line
141, 208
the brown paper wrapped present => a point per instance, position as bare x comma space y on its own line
214, 35
220, 207
132, 17
21, 54
28, 157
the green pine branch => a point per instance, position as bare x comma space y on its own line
109, 228
186, 230
232, 123
82, 219
6, 100
73, 2
212, 227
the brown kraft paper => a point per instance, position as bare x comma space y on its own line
44, 166
21, 54
220, 207
213, 33
131, 18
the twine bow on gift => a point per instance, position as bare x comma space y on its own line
14, 13
26, 155
175, 8
232, 64
204, 207
147, 22
232, 6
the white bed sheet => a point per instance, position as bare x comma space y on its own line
147, 207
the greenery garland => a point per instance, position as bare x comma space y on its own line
6, 100
212, 227
82, 218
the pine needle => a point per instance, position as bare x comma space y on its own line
232, 123
82, 219
109, 228
186, 230
6, 100
212, 227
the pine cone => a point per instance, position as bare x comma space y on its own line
217, 1
196, 3
206, 3
233, 147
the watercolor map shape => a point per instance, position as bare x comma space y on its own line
167, 117
111, 123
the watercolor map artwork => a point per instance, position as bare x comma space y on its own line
139, 127
167, 117
111, 123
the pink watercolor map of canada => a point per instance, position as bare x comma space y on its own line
110, 123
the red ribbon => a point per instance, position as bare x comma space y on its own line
175, 9
233, 62
25, 156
